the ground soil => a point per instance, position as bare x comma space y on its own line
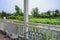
3, 36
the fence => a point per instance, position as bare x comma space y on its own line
35, 31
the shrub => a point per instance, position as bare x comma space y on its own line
11, 17
21, 18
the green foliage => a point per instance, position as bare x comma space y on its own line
57, 13
30, 16
3, 14
18, 11
49, 17
42, 15
21, 18
49, 14
12, 17
55, 21
0, 14
35, 12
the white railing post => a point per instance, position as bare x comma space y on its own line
25, 16
47, 32
4, 18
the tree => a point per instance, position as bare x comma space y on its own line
0, 13
48, 13
18, 11
56, 13
3, 14
43, 15
8, 14
35, 12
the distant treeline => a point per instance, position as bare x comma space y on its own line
34, 13
49, 14
14, 15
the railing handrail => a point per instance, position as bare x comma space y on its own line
50, 25
39, 24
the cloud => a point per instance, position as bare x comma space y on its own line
43, 5
9, 5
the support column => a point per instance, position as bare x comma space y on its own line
25, 16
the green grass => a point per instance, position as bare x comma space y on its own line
55, 21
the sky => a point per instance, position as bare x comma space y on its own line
43, 5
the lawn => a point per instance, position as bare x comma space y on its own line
55, 21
